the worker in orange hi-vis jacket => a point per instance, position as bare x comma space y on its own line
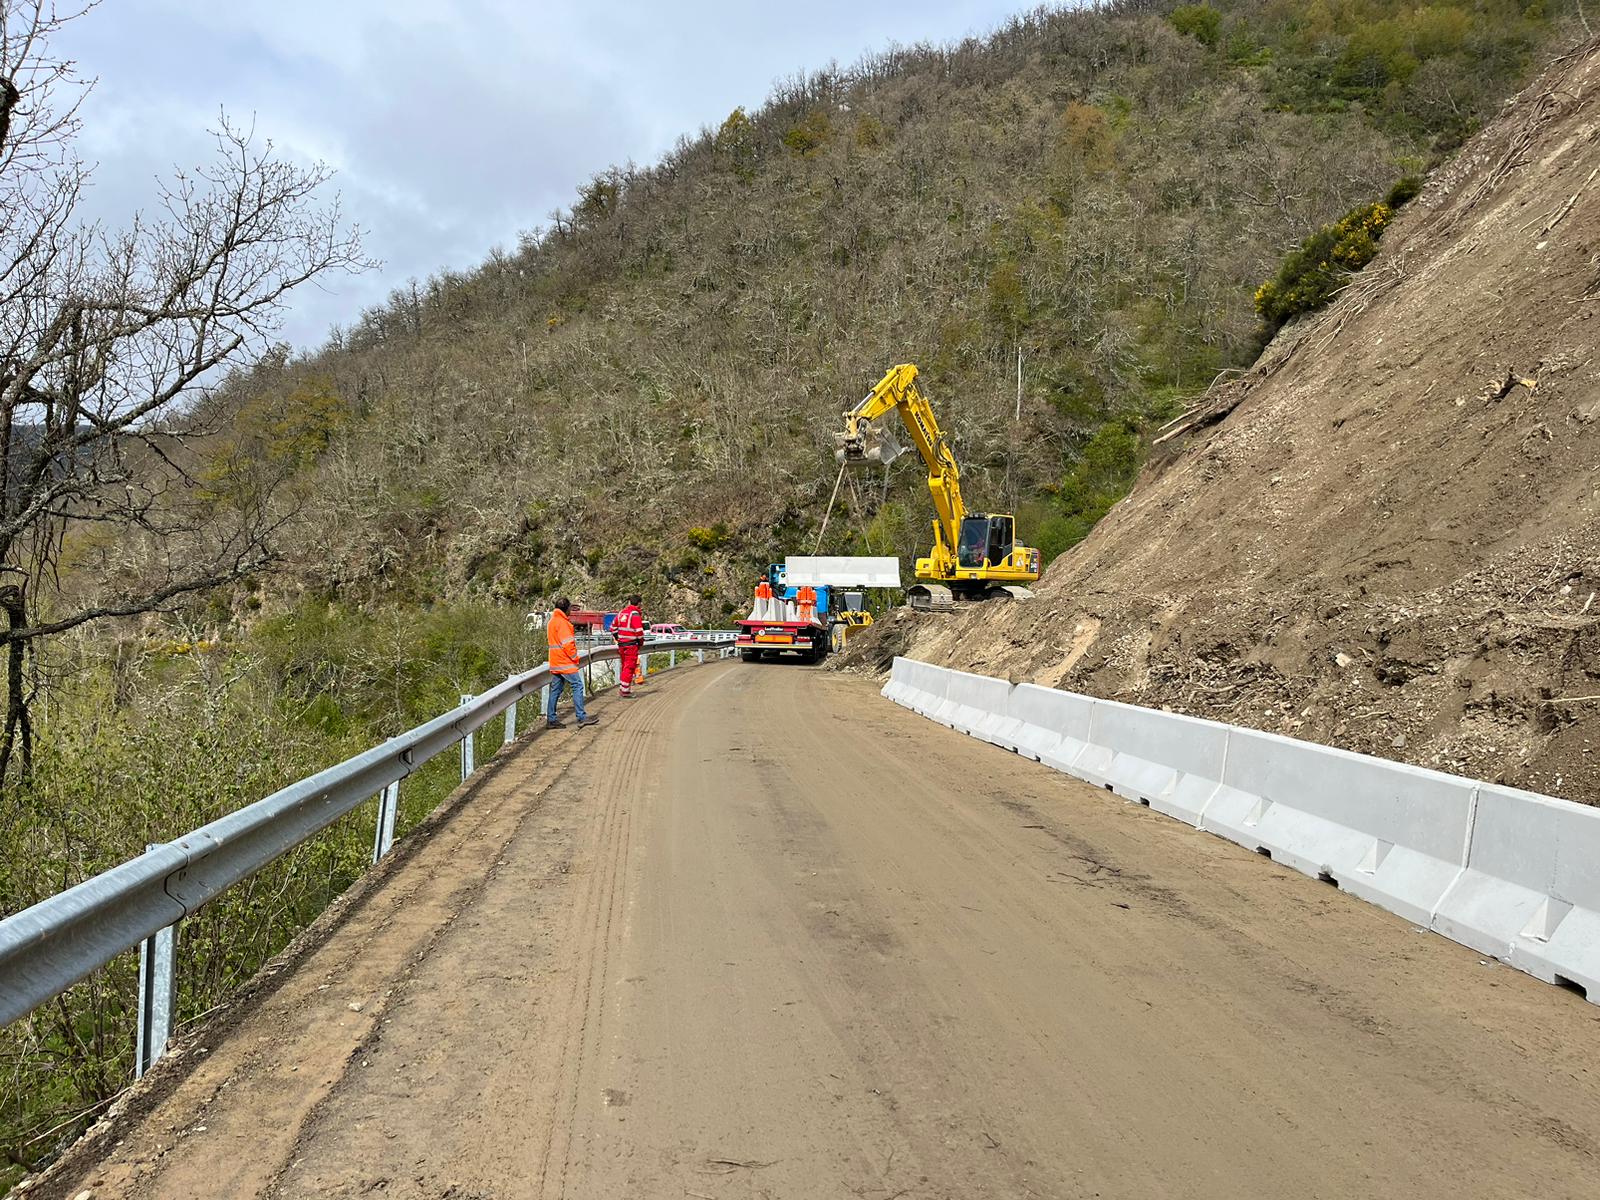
628, 629
564, 666
763, 600
808, 603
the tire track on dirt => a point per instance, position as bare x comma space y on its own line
618, 774
499, 1021
294, 1036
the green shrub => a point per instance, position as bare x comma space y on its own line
1199, 21
1101, 476
869, 132
1313, 274
1008, 298
735, 141
712, 537
149, 744
810, 135
1404, 190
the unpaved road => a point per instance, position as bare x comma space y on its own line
763, 934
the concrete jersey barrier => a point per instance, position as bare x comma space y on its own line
1530, 893
1391, 833
1509, 873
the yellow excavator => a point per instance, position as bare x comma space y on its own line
974, 555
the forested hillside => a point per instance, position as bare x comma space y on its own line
1385, 537
642, 392
641, 395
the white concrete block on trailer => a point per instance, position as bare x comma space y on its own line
1171, 762
1388, 832
1530, 893
841, 571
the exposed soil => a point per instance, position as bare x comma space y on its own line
763, 934
1387, 536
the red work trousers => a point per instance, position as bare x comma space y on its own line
630, 667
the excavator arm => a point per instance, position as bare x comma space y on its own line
864, 441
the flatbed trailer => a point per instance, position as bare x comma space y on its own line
773, 639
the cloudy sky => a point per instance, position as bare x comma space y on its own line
453, 126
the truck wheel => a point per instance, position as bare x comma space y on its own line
748, 655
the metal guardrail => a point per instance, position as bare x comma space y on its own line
49, 947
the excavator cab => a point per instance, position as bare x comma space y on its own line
986, 540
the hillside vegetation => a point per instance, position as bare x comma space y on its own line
1099, 193
1386, 536
641, 395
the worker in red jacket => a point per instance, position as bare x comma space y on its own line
628, 629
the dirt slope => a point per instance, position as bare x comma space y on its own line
1391, 542
760, 934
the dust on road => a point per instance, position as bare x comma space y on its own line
763, 934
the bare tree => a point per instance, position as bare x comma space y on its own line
109, 341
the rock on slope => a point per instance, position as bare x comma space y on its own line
1390, 542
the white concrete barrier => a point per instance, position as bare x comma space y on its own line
1048, 725
917, 686
1508, 873
1391, 833
1170, 762
975, 704
1530, 893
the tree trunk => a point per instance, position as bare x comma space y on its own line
17, 726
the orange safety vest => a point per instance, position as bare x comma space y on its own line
763, 590
563, 644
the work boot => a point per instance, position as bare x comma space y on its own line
555, 723
591, 720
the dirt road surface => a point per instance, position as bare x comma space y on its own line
764, 934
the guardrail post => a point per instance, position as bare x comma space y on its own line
700, 657
511, 724
467, 764
157, 976
388, 807
672, 659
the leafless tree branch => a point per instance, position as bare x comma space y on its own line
110, 341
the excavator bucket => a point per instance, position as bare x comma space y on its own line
868, 442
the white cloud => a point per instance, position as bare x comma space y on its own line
453, 127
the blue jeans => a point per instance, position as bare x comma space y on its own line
557, 682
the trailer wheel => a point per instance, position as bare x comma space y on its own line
749, 655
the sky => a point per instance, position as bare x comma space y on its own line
452, 127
